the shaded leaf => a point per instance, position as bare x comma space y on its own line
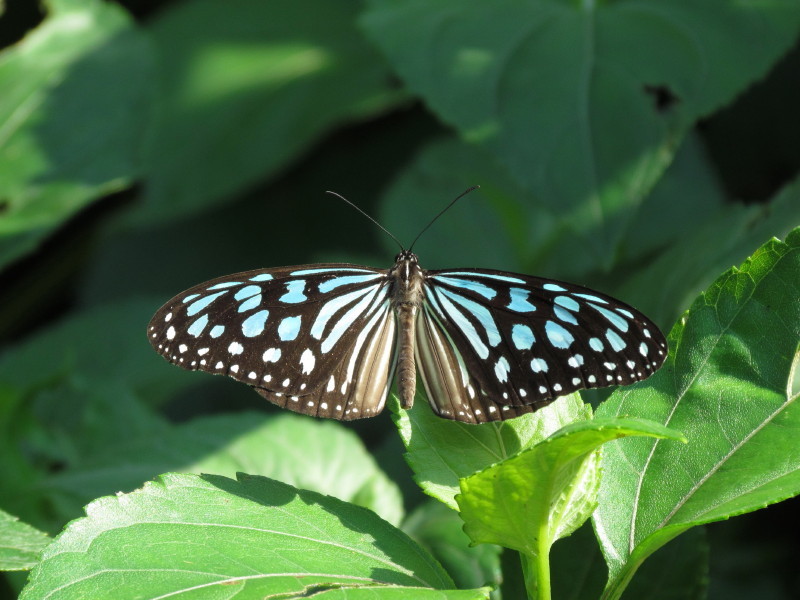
727, 384
441, 452
440, 530
75, 98
214, 536
316, 455
556, 92
245, 91
20, 544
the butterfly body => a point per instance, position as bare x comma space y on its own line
327, 339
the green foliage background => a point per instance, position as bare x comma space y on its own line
639, 147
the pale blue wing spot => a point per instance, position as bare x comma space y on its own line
250, 303
591, 298
198, 305
564, 315
332, 306
196, 328
596, 344
254, 324
217, 331
522, 337
479, 311
462, 323
190, 297
612, 318
329, 270
617, 343
294, 292
501, 369
567, 303
627, 313
223, 285
552, 287
643, 349
473, 286
261, 277
332, 284
289, 328
519, 300
539, 365
247, 291
558, 336
505, 278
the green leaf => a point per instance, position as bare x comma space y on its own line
20, 544
440, 530
214, 537
440, 452
727, 385
316, 455
558, 93
244, 92
546, 492
75, 98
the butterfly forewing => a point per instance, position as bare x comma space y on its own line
317, 339
520, 342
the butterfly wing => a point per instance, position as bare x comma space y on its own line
492, 345
316, 339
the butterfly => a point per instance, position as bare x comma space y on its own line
327, 339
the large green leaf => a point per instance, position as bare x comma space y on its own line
75, 100
441, 452
214, 537
245, 90
586, 102
316, 455
20, 544
729, 386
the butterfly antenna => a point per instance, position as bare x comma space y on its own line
441, 212
389, 233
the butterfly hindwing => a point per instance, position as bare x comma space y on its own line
522, 341
317, 339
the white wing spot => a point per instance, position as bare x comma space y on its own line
252, 375
171, 333
272, 355
219, 365
610, 366
267, 378
235, 348
556, 387
183, 348
591, 379
235, 368
168, 317
576, 381
307, 361
522, 393
202, 351
285, 382
542, 389
331, 384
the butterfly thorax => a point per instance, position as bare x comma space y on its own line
406, 280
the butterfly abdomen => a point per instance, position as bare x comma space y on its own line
407, 296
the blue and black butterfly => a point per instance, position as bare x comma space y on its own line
327, 339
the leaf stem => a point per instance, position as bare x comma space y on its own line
536, 573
